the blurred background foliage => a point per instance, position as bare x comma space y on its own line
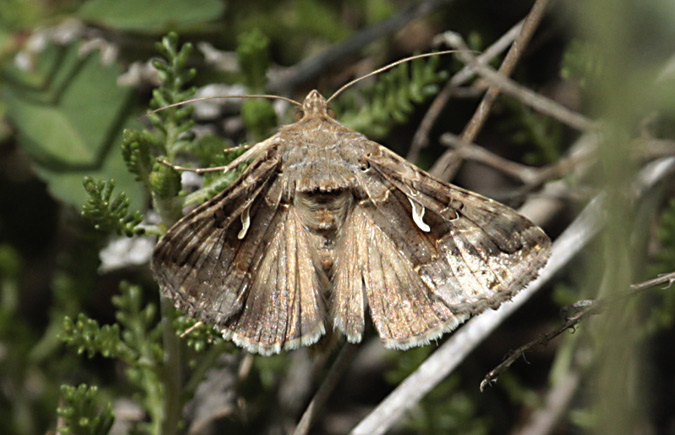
85, 342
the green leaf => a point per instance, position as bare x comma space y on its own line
67, 185
150, 15
390, 100
69, 116
68, 123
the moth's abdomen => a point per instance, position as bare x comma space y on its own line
323, 213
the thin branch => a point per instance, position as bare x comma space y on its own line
470, 151
449, 162
480, 115
583, 310
668, 278
558, 399
421, 138
531, 176
528, 97
327, 386
293, 77
447, 357
574, 315
512, 57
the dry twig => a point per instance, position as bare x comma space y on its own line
421, 137
293, 77
329, 383
531, 176
445, 168
574, 314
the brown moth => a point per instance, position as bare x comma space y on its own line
325, 226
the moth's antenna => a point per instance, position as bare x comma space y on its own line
194, 100
386, 67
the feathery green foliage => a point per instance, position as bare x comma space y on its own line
391, 100
447, 409
82, 413
135, 339
174, 123
108, 214
541, 135
583, 62
664, 262
258, 114
136, 146
200, 337
86, 335
137, 336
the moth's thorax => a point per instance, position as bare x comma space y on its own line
319, 154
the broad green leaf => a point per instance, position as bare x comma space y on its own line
67, 186
69, 117
49, 135
150, 15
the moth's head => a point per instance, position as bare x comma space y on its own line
314, 105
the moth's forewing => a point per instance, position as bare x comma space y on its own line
198, 262
489, 249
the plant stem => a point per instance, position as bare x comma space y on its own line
172, 373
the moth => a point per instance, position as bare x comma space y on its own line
326, 228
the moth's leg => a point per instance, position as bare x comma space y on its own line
197, 170
191, 328
237, 148
252, 152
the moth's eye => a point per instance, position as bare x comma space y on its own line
365, 166
298, 115
331, 113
